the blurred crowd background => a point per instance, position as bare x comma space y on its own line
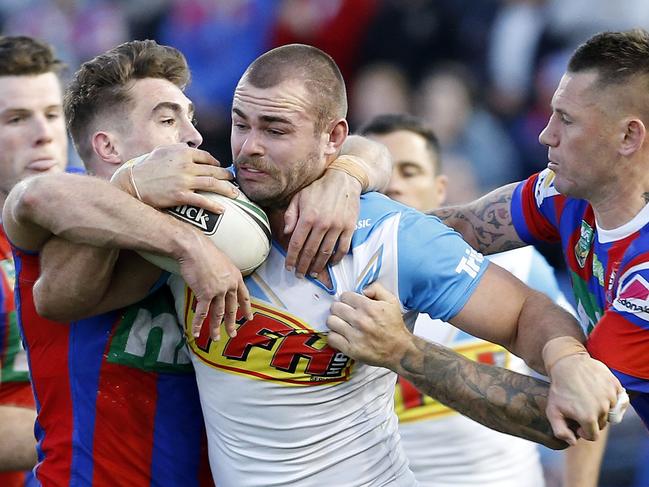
481, 72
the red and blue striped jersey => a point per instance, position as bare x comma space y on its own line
609, 270
116, 395
15, 389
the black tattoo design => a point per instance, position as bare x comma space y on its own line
500, 399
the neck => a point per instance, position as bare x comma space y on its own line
277, 224
617, 209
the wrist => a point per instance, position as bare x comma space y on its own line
559, 348
124, 178
352, 166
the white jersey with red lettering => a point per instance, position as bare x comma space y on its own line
280, 405
447, 449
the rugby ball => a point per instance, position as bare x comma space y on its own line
242, 231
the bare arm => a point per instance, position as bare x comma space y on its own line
370, 329
486, 223
89, 211
77, 281
528, 323
323, 215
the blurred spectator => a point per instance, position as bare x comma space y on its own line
336, 26
513, 45
416, 34
447, 99
377, 89
219, 39
78, 29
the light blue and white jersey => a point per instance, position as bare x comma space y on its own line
466, 453
284, 408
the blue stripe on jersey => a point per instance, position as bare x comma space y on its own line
518, 218
88, 341
181, 399
38, 429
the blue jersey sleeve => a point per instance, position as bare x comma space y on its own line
438, 271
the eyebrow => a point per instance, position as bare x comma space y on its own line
175, 107
264, 118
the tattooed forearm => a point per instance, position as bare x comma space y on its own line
486, 223
645, 197
498, 398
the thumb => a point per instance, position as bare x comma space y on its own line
291, 214
378, 293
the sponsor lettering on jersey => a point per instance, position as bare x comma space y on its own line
207, 221
366, 223
470, 263
148, 337
274, 345
583, 245
633, 293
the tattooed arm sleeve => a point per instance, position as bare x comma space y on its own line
486, 223
498, 398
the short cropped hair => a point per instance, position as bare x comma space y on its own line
393, 122
24, 56
317, 69
102, 84
616, 56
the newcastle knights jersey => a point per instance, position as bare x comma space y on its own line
281, 406
610, 276
15, 389
115, 394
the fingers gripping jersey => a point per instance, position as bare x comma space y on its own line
116, 397
465, 452
280, 405
609, 271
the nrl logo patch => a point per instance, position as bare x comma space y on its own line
582, 248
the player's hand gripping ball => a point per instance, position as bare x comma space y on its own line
242, 231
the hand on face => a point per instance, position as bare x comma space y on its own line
170, 175
323, 218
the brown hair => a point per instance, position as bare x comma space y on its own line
393, 122
321, 76
22, 56
102, 84
616, 56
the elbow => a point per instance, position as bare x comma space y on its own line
54, 306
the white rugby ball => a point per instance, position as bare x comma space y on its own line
242, 231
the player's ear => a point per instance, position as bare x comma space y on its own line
441, 185
103, 144
337, 135
633, 136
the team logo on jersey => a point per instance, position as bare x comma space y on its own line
544, 187
274, 346
633, 293
598, 270
582, 247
